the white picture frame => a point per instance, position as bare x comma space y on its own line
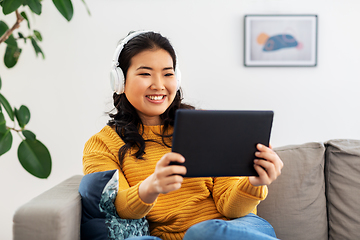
280, 40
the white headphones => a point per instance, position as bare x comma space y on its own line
117, 78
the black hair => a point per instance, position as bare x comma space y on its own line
126, 121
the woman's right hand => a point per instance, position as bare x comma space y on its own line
165, 179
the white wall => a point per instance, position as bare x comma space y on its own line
68, 93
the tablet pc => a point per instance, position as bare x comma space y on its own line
219, 143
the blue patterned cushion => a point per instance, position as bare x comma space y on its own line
99, 217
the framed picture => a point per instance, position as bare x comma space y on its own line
280, 40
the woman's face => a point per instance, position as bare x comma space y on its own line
150, 84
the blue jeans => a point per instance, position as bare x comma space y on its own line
249, 227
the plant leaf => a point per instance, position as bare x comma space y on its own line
23, 14
38, 35
7, 107
87, 8
36, 47
65, 8
2, 123
11, 41
0, 85
35, 158
22, 115
5, 141
22, 36
10, 6
34, 5
29, 135
3, 28
11, 56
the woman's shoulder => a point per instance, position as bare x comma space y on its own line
106, 136
108, 130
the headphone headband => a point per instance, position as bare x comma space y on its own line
117, 78
120, 47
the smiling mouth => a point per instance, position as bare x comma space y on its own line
155, 98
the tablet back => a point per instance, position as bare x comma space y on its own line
219, 143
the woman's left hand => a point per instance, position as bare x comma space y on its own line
268, 166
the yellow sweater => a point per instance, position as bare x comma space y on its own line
199, 199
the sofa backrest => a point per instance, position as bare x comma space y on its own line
342, 173
296, 204
317, 196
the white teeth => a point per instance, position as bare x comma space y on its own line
155, 97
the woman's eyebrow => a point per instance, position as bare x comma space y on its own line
149, 68
144, 67
168, 68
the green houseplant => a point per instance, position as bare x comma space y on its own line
32, 154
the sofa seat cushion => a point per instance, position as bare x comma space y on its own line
343, 188
296, 203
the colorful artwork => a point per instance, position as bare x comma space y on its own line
278, 42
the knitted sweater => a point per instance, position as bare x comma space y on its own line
169, 217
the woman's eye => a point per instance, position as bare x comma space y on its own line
144, 74
169, 74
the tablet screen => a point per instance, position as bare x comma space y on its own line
219, 143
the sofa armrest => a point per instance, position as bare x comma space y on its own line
55, 214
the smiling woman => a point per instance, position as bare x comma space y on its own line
150, 84
137, 143
149, 70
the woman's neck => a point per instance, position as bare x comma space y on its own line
150, 121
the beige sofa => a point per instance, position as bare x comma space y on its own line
316, 197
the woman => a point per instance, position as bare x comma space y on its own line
137, 142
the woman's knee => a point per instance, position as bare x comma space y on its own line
248, 227
209, 229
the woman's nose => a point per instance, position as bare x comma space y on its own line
157, 83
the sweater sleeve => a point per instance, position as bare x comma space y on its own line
236, 197
101, 154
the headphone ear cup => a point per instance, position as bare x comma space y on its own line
117, 80
178, 77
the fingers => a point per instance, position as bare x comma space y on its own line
266, 170
170, 183
269, 155
167, 177
164, 168
171, 157
268, 166
170, 174
264, 152
157, 183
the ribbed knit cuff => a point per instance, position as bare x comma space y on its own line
134, 207
259, 192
